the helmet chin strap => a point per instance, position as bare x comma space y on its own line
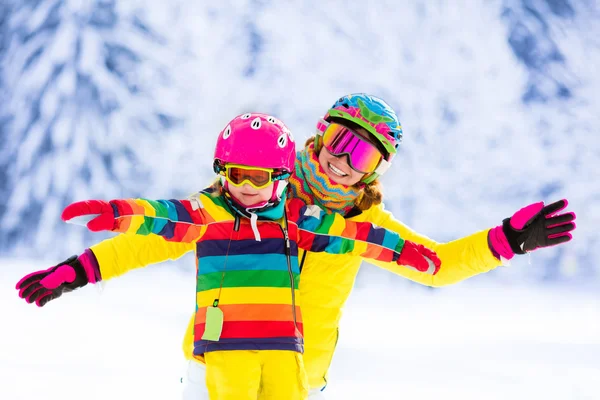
278, 190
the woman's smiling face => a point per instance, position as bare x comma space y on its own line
337, 167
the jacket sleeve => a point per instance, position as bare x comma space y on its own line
175, 220
331, 233
124, 253
461, 258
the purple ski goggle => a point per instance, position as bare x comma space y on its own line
363, 156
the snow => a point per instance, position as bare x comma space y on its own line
475, 340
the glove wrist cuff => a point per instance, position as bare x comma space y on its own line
90, 266
499, 243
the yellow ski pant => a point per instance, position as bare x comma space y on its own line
255, 374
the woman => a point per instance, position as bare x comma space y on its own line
356, 142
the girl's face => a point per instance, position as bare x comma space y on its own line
248, 195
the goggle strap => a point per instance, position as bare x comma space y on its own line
383, 166
322, 126
218, 168
280, 177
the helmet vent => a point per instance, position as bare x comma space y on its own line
246, 116
289, 133
282, 140
271, 120
227, 132
256, 123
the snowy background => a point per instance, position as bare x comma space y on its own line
499, 105
471, 341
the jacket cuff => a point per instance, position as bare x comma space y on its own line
90, 265
499, 245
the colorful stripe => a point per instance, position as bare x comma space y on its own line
221, 247
241, 262
224, 230
246, 295
255, 278
252, 312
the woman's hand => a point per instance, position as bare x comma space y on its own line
533, 227
46, 285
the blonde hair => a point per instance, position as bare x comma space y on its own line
217, 187
370, 195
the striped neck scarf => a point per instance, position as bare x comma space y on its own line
310, 183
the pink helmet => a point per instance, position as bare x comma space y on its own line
256, 140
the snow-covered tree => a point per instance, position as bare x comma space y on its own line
5, 12
85, 85
532, 39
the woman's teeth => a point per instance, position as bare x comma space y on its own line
336, 171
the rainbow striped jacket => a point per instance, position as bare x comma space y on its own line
255, 283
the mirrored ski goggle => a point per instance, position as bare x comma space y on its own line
363, 156
258, 178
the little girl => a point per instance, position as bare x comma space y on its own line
246, 234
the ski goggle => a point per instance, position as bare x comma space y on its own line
257, 177
363, 156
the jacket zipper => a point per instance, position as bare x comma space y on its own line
302, 261
288, 256
236, 227
337, 338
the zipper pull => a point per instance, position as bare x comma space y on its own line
286, 237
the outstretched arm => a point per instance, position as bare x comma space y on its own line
175, 220
113, 257
105, 260
331, 233
536, 226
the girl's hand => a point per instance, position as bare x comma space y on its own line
420, 258
97, 215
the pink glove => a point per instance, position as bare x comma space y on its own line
532, 227
46, 285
